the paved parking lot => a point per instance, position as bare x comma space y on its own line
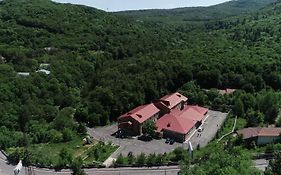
131, 145
210, 127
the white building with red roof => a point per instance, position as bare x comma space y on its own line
173, 117
179, 124
261, 136
132, 121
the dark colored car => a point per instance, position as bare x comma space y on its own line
145, 138
167, 140
180, 173
172, 141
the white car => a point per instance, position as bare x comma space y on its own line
200, 129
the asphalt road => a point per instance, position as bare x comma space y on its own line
6, 169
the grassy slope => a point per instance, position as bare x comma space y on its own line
48, 154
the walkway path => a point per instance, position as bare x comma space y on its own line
233, 129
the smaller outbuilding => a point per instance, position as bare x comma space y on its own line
261, 136
44, 66
47, 72
23, 74
226, 91
2, 60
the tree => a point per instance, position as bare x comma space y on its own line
65, 158
64, 119
274, 167
279, 122
67, 134
254, 118
269, 106
149, 128
151, 159
222, 161
159, 159
96, 154
76, 167
179, 154
271, 114
238, 108
81, 129
141, 159
120, 160
131, 158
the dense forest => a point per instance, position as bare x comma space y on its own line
198, 14
104, 64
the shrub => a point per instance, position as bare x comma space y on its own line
131, 158
120, 160
56, 136
141, 159
76, 167
67, 135
16, 155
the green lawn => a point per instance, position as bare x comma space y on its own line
98, 153
228, 125
48, 154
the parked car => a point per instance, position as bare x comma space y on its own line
200, 129
172, 141
145, 138
167, 140
130, 154
180, 173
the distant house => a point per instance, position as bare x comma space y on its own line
44, 66
2, 60
261, 136
171, 114
48, 49
226, 91
47, 72
23, 74
179, 124
131, 122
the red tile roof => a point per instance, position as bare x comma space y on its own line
172, 100
141, 113
249, 132
181, 121
262, 132
199, 109
270, 132
174, 123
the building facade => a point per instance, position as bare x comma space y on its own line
131, 122
171, 114
261, 136
179, 124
